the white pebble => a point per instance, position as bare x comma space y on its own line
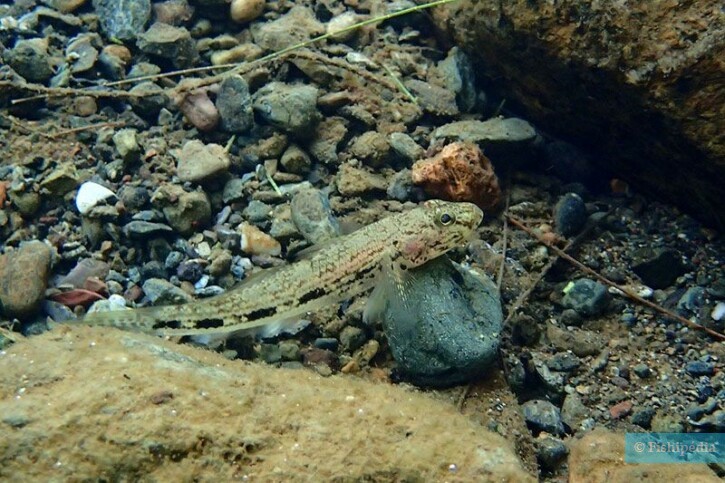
245, 10
116, 302
90, 194
718, 312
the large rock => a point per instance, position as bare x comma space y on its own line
638, 84
23, 279
169, 411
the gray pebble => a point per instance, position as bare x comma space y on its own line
312, 215
405, 147
289, 350
30, 59
432, 98
570, 215
643, 417
161, 292
550, 453
573, 411
564, 361
257, 211
295, 160
123, 20
642, 371
173, 44
127, 146
134, 197
458, 74
149, 101
571, 317
586, 296
153, 269
401, 185
141, 230
541, 415
447, 329
234, 103
692, 300
700, 368
199, 162
352, 338
270, 353
327, 343
292, 108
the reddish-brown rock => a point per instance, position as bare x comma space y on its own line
638, 84
459, 172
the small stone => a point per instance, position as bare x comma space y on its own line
162, 292
82, 52
113, 61
570, 215
200, 111
296, 26
30, 59
173, 12
642, 371
564, 361
189, 271
433, 99
295, 160
341, 22
26, 202
312, 215
573, 411
16, 421
245, 52
488, 133
85, 106
326, 343
185, 212
243, 11
91, 194
457, 73
550, 453
581, 342
292, 108
142, 230
256, 242
621, 410
289, 350
61, 180
658, 268
692, 300
123, 20
541, 415
199, 162
233, 191
401, 186
352, 338
173, 44
283, 228
664, 422
127, 146
134, 197
270, 353
586, 296
643, 417
257, 211
235, 104
150, 100
24, 278
221, 263
352, 181
700, 368
327, 137
459, 172
406, 147
372, 148
570, 317
65, 6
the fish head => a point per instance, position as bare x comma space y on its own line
436, 227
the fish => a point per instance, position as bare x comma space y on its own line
337, 270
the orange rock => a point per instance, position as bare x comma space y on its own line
459, 172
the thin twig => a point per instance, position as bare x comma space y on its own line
624, 290
86, 128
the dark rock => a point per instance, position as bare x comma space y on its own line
446, 331
550, 453
312, 215
643, 417
30, 59
326, 343
401, 185
149, 99
270, 353
570, 215
543, 416
692, 300
352, 338
372, 148
658, 268
292, 108
295, 160
586, 296
573, 411
24, 278
257, 211
173, 44
525, 330
433, 99
134, 197
153, 269
235, 105
642, 371
563, 361
456, 72
700, 368
123, 20
571, 317
142, 230
191, 271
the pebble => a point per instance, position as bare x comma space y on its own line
401, 185
189, 271
173, 44
127, 147
621, 410
283, 228
23, 279
256, 242
162, 292
30, 59
405, 147
541, 415
643, 417
234, 104
642, 371
257, 211
91, 194
692, 300
270, 353
295, 160
352, 338
550, 453
372, 148
200, 111
329, 134
61, 180
658, 268
149, 99
142, 230
341, 22
82, 52
570, 215
456, 72
123, 20
291, 108
573, 411
459, 172
186, 212
587, 297
289, 350
198, 162
242, 11
718, 312
447, 330
431, 98
134, 198
570, 317
495, 130
563, 361
297, 25
221, 263
326, 343
312, 215
700, 368
581, 342
352, 181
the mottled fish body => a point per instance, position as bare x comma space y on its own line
341, 268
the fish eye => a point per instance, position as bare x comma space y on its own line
446, 219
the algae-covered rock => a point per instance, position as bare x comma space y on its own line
101, 403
